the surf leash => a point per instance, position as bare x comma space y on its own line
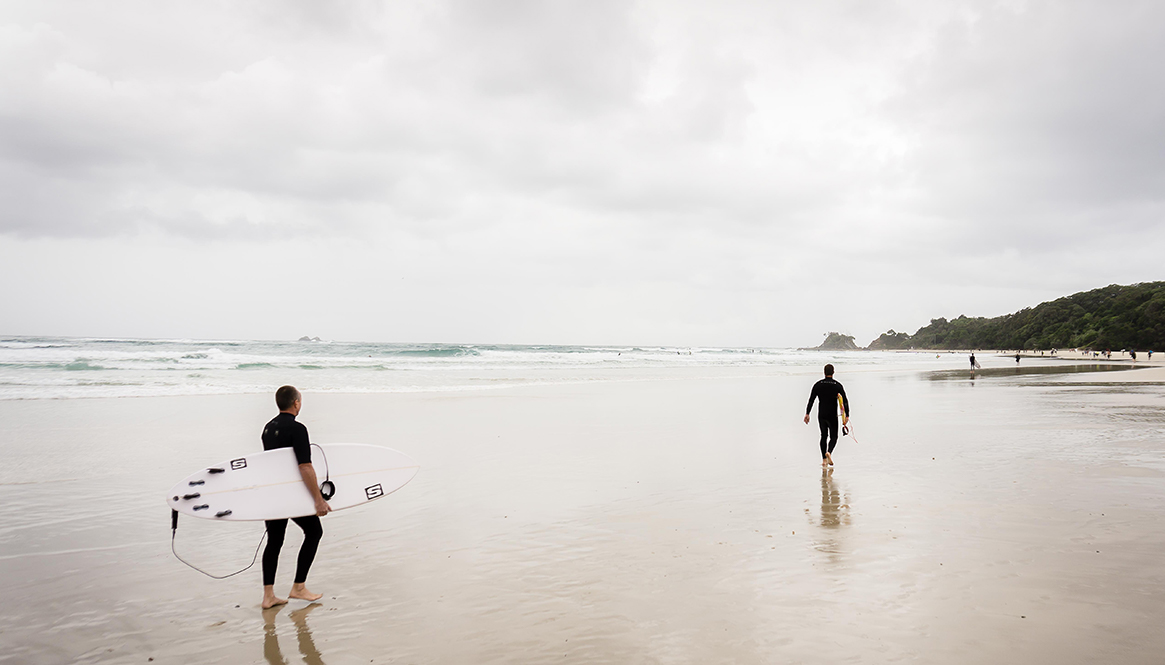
848, 430
174, 536
327, 488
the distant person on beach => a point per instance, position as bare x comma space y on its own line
284, 432
1133, 355
827, 390
973, 363
1017, 359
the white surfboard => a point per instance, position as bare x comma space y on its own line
267, 485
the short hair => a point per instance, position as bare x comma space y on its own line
285, 397
828, 372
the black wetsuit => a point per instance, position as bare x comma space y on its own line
284, 432
827, 391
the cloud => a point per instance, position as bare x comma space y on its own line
1039, 121
465, 104
666, 164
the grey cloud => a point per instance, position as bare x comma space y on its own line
1040, 120
841, 118
516, 100
582, 56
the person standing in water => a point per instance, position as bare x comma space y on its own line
284, 432
827, 390
973, 363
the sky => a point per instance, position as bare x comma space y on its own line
545, 172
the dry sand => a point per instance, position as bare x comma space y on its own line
1011, 518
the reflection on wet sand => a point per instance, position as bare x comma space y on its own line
307, 646
991, 372
834, 514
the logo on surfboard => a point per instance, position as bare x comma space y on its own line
240, 463
373, 491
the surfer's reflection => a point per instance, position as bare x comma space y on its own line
307, 646
834, 515
834, 511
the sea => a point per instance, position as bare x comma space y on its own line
64, 367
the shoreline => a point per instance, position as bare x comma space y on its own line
1046, 354
470, 377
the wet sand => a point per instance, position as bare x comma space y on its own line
1012, 518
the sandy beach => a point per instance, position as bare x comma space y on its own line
1014, 517
580, 265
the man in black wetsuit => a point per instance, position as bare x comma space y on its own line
827, 390
284, 432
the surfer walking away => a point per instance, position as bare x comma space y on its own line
828, 391
285, 432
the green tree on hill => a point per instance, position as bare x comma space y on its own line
1113, 317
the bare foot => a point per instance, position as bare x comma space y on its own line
829, 458
824, 461
272, 601
300, 592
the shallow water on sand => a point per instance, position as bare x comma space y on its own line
1015, 518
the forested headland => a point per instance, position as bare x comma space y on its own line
1114, 317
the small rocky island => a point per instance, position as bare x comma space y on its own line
305, 338
835, 341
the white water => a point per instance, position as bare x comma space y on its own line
54, 368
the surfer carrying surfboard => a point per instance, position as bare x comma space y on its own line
829, 392
285, 432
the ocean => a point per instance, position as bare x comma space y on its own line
60, 367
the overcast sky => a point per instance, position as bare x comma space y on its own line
689, 173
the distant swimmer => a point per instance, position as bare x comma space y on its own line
284, 432
827, 390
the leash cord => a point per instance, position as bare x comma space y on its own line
174, 536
